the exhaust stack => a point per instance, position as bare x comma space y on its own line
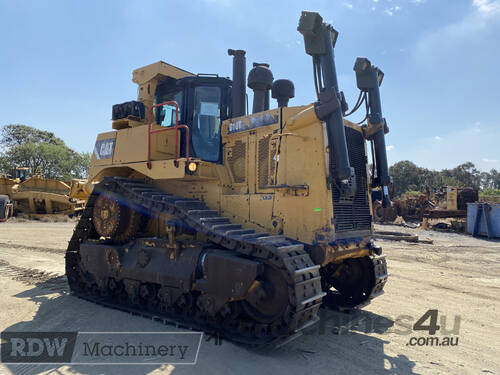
260, 80
238, 92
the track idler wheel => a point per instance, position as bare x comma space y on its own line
353, 280
114, 220
268, 297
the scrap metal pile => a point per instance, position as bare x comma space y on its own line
448, 202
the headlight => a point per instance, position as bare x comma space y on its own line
192, 167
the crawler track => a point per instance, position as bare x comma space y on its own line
289, 257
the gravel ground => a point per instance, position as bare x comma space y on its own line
458, 275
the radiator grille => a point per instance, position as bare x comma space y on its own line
237, 161
263, 162
272, 161
353, 215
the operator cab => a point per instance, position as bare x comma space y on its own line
20, 173
203, 104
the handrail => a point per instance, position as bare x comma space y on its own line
176, 128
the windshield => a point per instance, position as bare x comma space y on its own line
206, 122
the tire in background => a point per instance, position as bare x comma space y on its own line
4, 211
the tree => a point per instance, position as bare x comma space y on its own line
405, 176
495, 179
466, 174
16, 134
409, 177
41, 151
82, 164
4, 164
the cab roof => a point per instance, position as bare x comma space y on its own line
149, 72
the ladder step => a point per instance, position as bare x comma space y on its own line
307, 269
313, 298
285, 249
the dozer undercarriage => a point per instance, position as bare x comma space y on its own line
241, 225
250, 286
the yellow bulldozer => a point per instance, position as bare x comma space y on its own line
232, 223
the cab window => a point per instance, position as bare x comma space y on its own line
207, 122
165, 115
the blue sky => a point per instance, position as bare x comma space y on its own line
63, 64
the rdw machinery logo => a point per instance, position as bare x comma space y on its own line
39, 347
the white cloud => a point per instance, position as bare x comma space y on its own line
375, 1
348, 5
461, 145
390, 11
437, 138
487, 7
390, 148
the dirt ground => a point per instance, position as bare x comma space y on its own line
458, 275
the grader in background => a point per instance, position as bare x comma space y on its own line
235, 223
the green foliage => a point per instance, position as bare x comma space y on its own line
408, 177
4, 164
16, 134
490, 192
40, 151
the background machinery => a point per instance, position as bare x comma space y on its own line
228, 222
447, 202
33, 195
